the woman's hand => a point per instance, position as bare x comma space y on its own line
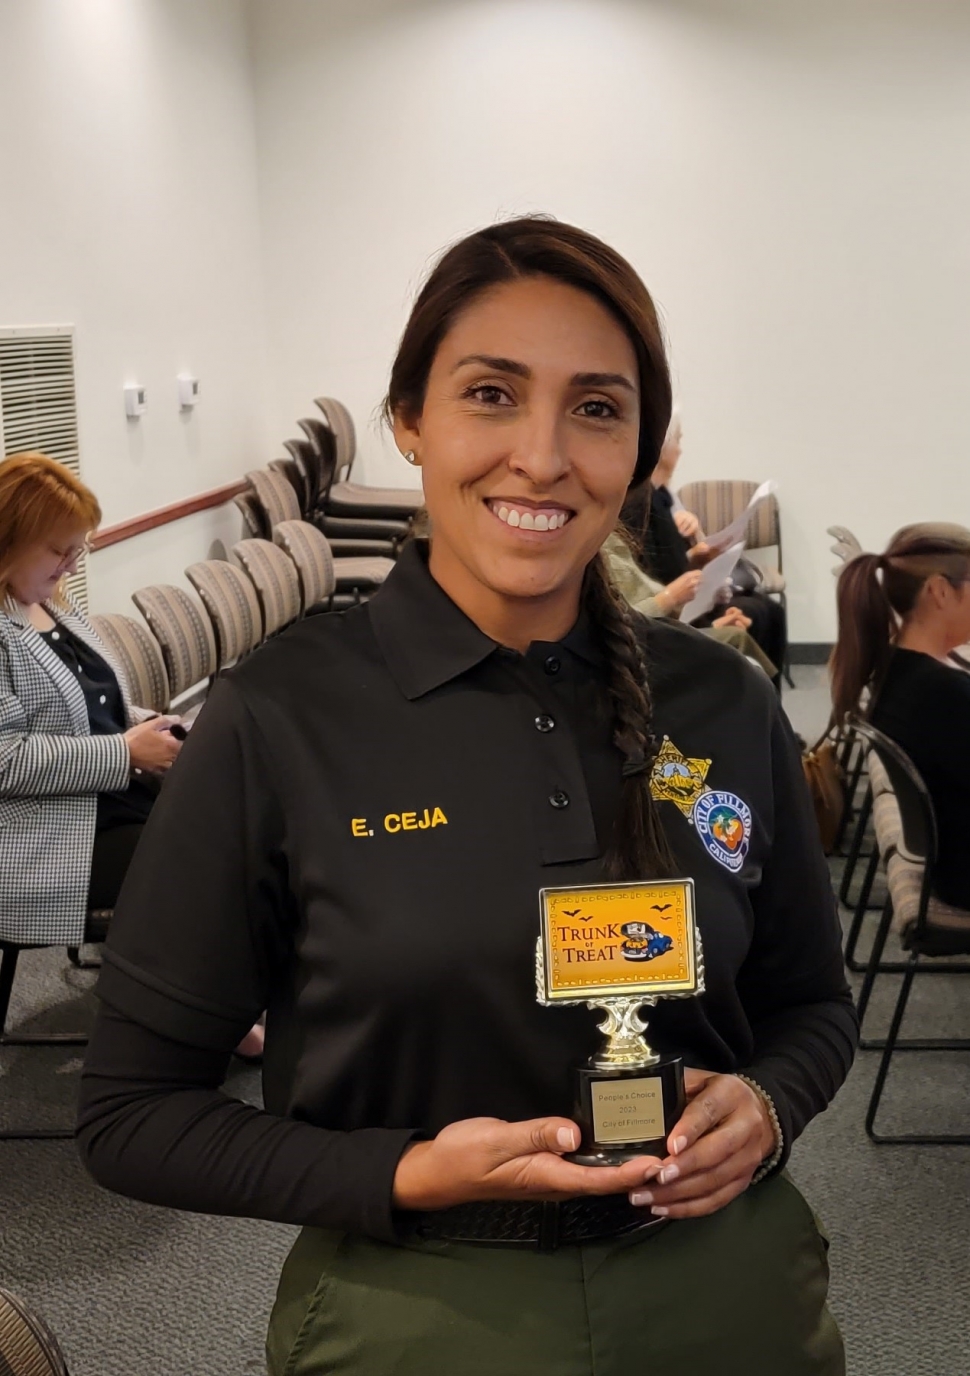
722, 1138
733, 616
677, 594
688, 524
151, 745
487, 1158
701, 554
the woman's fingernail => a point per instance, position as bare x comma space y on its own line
641, 1197
566, 1137
660, 1211
678, 1145
651, 1172
669, 1173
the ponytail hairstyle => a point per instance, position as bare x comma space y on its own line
876, 592
539, 247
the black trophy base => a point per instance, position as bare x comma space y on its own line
627, 1112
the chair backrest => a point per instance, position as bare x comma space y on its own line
255, 525
719, 501
27, 1345
295, 476
915, 804
139, 657
309, 549
184, 633
230, 599
275, 495
341, 423
275, 579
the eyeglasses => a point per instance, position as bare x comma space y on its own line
67, 556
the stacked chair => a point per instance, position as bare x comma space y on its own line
27, 1345
930, 931
355, 575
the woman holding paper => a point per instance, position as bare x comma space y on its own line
670, 544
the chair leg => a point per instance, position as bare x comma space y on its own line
858, 917
878, 946
78, 961
849, 805
852, 859
893, 1044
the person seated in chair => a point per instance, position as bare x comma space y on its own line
671, 543
80, 764
901, 613
650, 598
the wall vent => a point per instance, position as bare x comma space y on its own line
38, 404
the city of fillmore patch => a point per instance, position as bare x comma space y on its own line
723, 822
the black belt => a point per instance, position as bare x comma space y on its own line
545, 1226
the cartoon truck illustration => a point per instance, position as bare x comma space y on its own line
643, 942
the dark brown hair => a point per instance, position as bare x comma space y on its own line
541, 247
875, 591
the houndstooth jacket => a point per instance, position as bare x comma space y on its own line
51, 771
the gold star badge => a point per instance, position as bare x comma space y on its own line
677, 779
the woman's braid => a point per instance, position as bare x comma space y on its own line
640, 849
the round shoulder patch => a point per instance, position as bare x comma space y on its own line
723, 822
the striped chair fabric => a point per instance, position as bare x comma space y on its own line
275, 496
230, 599
27, 1345
295, 476
184, 633
362, 573
309, 550
718, 502
139, 656
356, 497
341, 424
275, 579
905, 879
254, 520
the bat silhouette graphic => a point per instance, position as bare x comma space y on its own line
575, 912
661, 907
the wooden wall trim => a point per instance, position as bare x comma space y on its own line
164, 515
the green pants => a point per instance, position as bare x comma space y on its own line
740, 1293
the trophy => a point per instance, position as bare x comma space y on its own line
616, 948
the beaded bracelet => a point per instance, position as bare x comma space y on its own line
770, 1162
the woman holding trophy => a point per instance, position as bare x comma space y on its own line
376, 818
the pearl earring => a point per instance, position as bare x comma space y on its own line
410, 457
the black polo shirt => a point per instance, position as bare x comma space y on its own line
354, 838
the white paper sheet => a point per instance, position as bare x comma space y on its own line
713, 577
730, 535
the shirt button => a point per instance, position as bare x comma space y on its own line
552, 665
102, 699
559, 799
55, 635
544, 723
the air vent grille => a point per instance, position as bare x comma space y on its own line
38, 403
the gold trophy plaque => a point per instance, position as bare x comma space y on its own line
616, 948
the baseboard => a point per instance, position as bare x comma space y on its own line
809, 652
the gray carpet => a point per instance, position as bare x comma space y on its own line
137, 1291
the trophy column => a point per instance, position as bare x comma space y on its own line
628, 1098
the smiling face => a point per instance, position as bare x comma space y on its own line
528, 440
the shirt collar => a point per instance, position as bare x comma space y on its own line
427, 640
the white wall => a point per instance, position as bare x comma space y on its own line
129, 208
791, 179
